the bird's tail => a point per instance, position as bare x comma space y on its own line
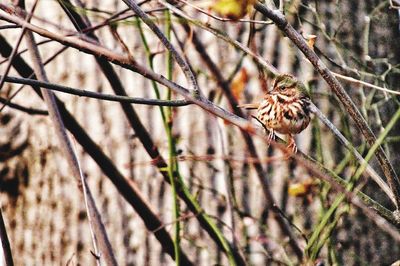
249, 105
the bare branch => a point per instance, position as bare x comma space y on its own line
351, 197
96, 95
222, 35
356, 81
247, 138
120, 60
24, 109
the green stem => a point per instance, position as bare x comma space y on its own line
166, 116
172, 162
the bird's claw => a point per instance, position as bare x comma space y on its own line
271, 137
291, 148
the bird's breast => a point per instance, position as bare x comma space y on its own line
284, 114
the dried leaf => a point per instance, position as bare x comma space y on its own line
239, 84
311, 40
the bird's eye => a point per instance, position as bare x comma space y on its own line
280, 87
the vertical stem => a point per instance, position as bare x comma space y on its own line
172, 162
166, 115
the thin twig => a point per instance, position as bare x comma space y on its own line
351, 197
51, 58
122, 61
261, 174
173, 166
366, 84
224, 36
31, 111
96, 95
133, 118
25, 50
4, 27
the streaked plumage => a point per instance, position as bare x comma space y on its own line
285, 108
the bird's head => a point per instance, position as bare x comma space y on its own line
288, 85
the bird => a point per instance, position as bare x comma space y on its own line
285, 109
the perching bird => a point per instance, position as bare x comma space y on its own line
285, 108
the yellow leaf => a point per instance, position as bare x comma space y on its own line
302, 188
297, 190
233, 9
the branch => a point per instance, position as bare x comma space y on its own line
21, 108
81, 22
366, 84
225, 87
351, 197
96, 95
